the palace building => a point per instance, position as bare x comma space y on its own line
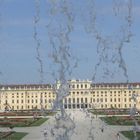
82, 94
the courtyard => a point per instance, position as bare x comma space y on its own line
87, 127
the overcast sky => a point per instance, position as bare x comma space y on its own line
18, 62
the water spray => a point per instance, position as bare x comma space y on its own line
59, 40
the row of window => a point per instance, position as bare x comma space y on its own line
122, 91
110, 100
37, 93
77, 100
69, 100
69, 106
28, 107
32, 101
74, 93
78, 86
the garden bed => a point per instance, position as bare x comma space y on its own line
120, 120
130, 134
11, 135
21, 122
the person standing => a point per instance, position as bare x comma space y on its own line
118, 136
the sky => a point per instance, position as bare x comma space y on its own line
18, 63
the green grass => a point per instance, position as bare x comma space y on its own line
15, 136
109, 112
117, 120
26, 123
39, 122
130, 135
32, 122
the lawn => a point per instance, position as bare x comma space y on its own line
120, 120
24, 122
130, 135
13, 136
109, 112
39, 122
26, 113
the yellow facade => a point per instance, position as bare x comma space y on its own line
82, 94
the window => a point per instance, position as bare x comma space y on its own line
69, 100
49, 100
45, 101
73, 86
101, 100
12, 101
78, 100
90, 100
81, 86
73, 100
77, 86
85, 100
85, 85
65, 100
